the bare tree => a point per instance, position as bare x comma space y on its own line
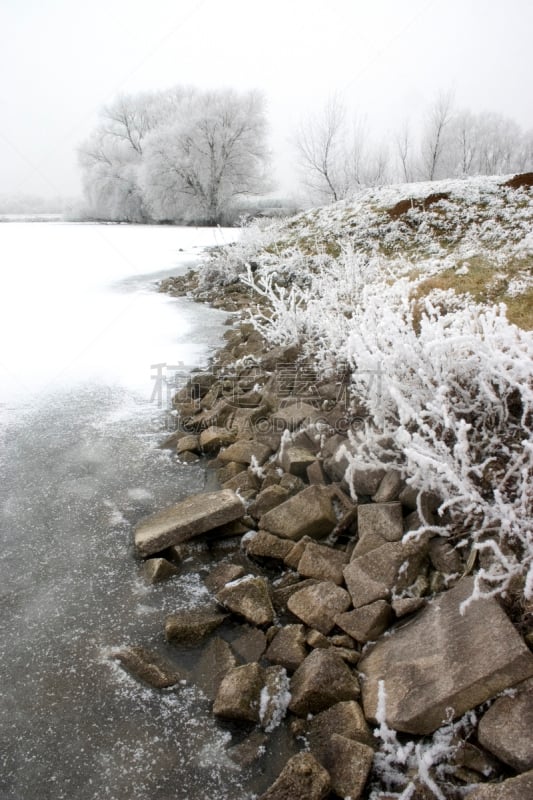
321, 147
403, 146
433, 140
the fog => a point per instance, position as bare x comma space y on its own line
61, 61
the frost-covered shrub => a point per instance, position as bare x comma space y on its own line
449, 388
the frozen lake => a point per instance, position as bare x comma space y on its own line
80, 327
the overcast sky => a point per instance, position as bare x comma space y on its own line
61, 60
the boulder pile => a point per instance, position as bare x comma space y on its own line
327, 614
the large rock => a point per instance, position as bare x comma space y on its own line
148, 666
287, 648
384, 519
348, 763
520, 788
323, 563
223, 574
262, 544
302, 777
296, 460
215, 662
366, 623
322, 680
345, 718
250, 644
239, 693
181, 522
190, 627
292, 416
249, 597
213, 438
318, 605
245, 451
309, 512
394, 565
281, 594
267, 499
444, 660
507, 729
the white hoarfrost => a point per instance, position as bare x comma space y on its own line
274, 701
447, 383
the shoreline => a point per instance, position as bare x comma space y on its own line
303, 536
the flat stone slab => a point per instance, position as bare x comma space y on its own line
179, 523
506, 730
442, 660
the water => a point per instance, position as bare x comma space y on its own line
80, 326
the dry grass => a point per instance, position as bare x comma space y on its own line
486, 284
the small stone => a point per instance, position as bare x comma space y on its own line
287, 648
318, 605
251, 750
308, 513
383, 519
302, 778
159, 569
407, 605
221, 575
267, 499
245, 451
342, 640
323, 563
506, 728
317, 639
266, 545
148, 666
239, 693
250, 644
190, 627
366, 623
250, 598
348, 655
322, 680
348, 763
